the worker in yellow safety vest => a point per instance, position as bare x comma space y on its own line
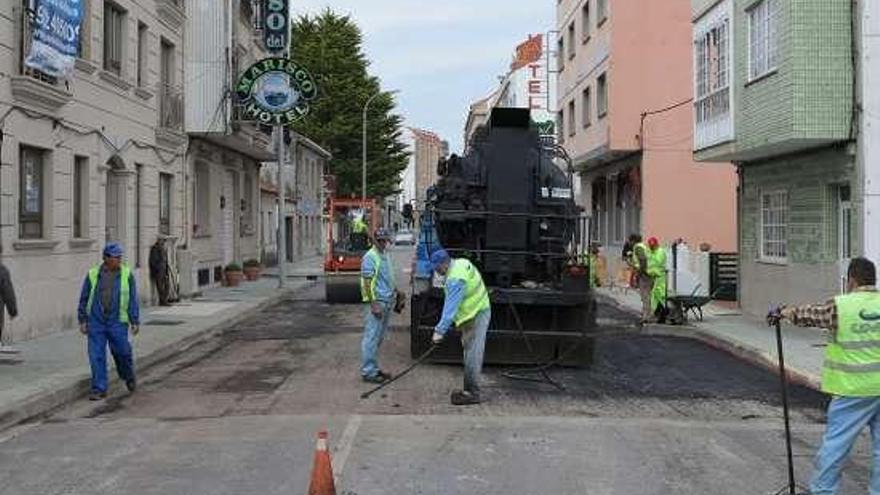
850, 374
592, 262
638, 262
657, 271
108, 308
467, 306
378, 293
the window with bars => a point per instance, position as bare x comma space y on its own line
166, 182
763, 38
31, 192
774, 226
587, 106
602, 96
114, 38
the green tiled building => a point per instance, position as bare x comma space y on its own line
774, 95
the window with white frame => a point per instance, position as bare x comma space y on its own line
763, 38
713, 119
602, 95
774, 226
80, 197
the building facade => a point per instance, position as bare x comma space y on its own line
304, 192
774, 94
869, 145
426, 151
97, 157
624, 116
225, 152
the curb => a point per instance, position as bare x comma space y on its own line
743, 352
45, 403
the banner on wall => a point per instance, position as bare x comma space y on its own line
55, 26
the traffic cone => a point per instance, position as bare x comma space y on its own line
322, 471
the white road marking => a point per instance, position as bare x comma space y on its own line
343, 448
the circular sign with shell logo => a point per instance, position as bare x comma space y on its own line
275, 91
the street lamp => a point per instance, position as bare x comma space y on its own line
364, 142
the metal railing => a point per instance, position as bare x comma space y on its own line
171, 107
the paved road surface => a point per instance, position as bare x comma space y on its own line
238, 416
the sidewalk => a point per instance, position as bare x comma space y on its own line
53, 370
744, 336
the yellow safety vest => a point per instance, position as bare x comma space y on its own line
634, 258
656, 262
124, 290
852, 360
368, 286
476, 297
358, 226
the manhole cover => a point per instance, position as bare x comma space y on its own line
164, 323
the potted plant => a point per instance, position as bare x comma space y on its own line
233, 274
252, 269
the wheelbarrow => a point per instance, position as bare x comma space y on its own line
682, 305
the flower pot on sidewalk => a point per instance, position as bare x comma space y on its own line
233, 275
252, 270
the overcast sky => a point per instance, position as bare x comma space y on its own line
440, 55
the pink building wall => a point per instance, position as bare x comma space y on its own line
650, 69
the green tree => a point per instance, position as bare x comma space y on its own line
330, 47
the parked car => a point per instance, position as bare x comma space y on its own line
404, 238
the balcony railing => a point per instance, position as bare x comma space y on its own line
171, 107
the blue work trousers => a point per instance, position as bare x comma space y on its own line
374, 333
473, 342
115, 334
847, 417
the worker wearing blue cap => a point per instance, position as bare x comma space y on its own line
467, 306
108, 307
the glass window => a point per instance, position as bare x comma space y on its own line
114, 34
587, 107
602, 10
166, 182
571, 41
763, 38
202, 194
585, 20
142, 51
80, 210
31, 193
602, 95
572, 125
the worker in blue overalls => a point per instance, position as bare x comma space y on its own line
108, 307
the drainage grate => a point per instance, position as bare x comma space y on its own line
163, 323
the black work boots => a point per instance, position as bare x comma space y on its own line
464, 398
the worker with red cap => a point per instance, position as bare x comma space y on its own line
657, 271
638, 262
